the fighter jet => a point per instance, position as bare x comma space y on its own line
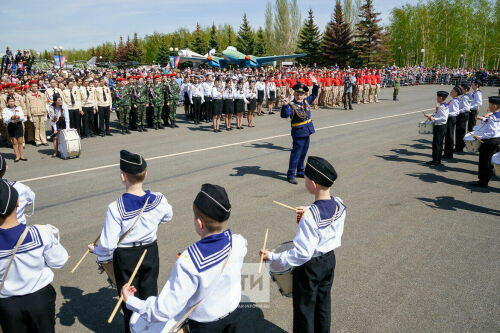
198, 59
233, 56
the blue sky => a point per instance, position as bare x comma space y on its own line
83, 23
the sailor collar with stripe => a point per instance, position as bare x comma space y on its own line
10, 183
130, 205
9, 238
323, 211
211, 250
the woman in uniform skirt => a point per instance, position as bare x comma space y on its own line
228, 106
239, 104
13, 116
260, 86
251, 95
59, 118
271, 94
216, 94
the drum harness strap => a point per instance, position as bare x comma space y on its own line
19, 242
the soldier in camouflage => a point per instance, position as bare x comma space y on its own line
122, 100
156, 99
173, 100
140, 97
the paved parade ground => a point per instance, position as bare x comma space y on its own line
420, 250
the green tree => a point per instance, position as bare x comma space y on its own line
245, 40
368, 35
309, 41
268, 28
121, 51
199, 45
337, 45
260, 43
163, 56
212, 43
282, 37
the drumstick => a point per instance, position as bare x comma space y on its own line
283, 205
263, 247
117, 306
84, 255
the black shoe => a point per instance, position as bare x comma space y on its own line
144, 129
45, 144
299, 176
123, 131
127, 130
458, 150
228, 129
156, 126
139, 128
292, 181
479, 184
175, 125
172, 125
433, 162
109, 134
160, 126
430, 162
215, 131
447, 157
92, 135
101, 135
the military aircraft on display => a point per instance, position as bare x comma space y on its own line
198, 59
233, 56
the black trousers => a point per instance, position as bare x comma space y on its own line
124, 261
312, 284
88, 120
196, 108
208, 108
437, 142
228, 324
460, 131
472, 120
486, 151
348, 100
103, 112
449, 140
75, 120
32, 313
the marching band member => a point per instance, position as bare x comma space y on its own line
251, 96
123, 240
59, 119
490, 135
302, 127
462, 118
13, 116
27, 298
319, 233
239, 104
206, 270
453, 112
439, 119
216, 94
475, 104
26, 195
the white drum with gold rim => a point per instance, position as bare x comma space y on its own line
283, 276
471, 143
495, 160
68, 143
425, 127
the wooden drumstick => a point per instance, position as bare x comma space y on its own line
117, 306
283, 205
263, 247
84, 255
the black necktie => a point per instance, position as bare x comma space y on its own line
72, 98
104, 94
87, 89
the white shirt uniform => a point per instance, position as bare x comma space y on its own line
196, 91
261, 86
7, 114
26, 198
207, 88
251, 93
319, 232
122, 213
454, 107
58, 113
441, 115
228, 93
477, 100
240, 94
491, 127
465, 103
271, 87
216, 92
197, 276
31, 269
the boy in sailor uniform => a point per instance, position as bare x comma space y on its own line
208, 273
120, 218
318, 234
26, 195
27, 298
439, 118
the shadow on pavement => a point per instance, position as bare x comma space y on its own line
91, 310
450, 203
433, 178
268, 145
252, 320
256, 170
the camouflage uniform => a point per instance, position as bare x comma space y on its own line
141, 99
122, 100
156, 98
173, 100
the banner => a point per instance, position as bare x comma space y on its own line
174, 61
63, 61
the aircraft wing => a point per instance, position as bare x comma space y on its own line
263, 60
197, 60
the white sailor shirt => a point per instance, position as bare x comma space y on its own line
196, 91
454, 107
7, 114
477, 100
58, 113
31, 269
197, 276
122, 213
320, 231
441, 115
491, 127
228, 94
217, 92
271, 86
240, 94
26, 197
465, 103
251, 93
261, 86
207, 88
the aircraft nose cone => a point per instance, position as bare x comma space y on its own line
209, 58
247, 57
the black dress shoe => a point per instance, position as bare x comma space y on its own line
458, 150
299, 176
430, 162
139, 129
172, 125
156, 126
479, 184
160, 126
292, 181
144, 129
102, 134
176, 126
92, 135
123, 131
109, 134
127, 131
447, 157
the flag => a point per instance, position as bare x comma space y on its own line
63, 61
174, 61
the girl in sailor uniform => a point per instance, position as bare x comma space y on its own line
216, 94
27, 298
13, 116
207, 276
271, 94
228, 106
120, 218
260, 86
26, 195
251, 96
239, 102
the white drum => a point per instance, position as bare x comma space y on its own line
69, 144
282, 275
471, 144
495, 160
425, 127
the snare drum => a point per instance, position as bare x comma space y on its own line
495, 160
139, 325
425, 127
69, 145
107, 267
283, 276
471, 144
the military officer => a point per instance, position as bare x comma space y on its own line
35, 108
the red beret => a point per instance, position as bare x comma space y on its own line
32, 82
164, 75
120, 79
148, 77
156, 77
18, 88
130, 77
172, 74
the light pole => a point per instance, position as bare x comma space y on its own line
400, 50
423, 53
461, 62
58, 51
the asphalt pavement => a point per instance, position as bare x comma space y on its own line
420, 247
